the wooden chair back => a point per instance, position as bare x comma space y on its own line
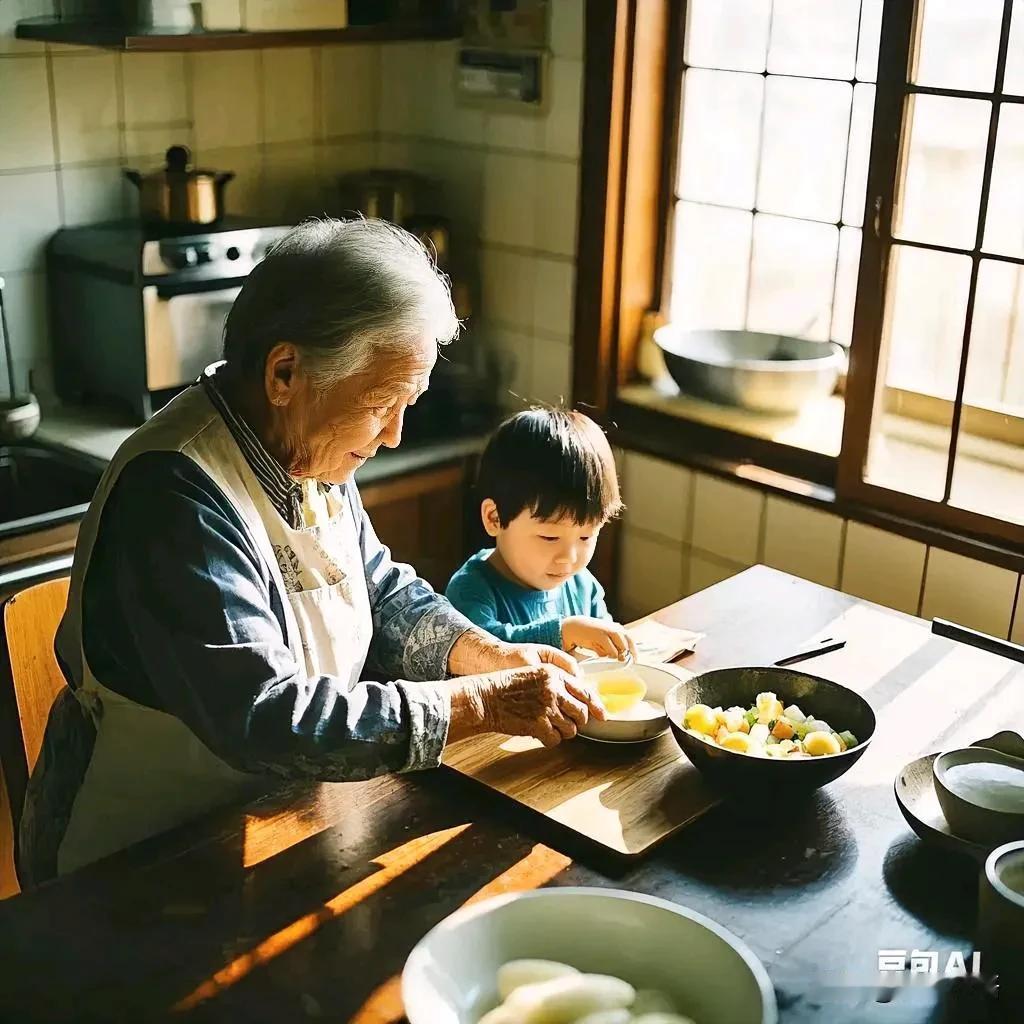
30, 680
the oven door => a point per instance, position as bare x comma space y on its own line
184, 332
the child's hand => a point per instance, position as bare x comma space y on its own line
608, 639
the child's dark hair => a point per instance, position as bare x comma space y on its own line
552, 463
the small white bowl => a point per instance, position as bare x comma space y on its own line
631, 730
450, 976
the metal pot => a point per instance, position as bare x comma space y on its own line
768, 373
179, 193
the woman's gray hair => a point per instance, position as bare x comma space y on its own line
340, 290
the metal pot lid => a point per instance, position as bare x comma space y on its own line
178, 167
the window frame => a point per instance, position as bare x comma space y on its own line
632, 88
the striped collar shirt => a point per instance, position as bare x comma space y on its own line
283, 490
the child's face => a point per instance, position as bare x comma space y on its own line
543, 553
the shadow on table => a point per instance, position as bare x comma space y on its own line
759, 846
936, 886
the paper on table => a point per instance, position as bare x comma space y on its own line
656, 642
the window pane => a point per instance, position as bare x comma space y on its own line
867, 46
792, 274
957, 44
846, 285
712, 260
729, 34
988, 475
806, 123
945, 159
1004, 224
922, 337
814, 37
925, 325
997, 338
721, 129
1013, 80
859, 152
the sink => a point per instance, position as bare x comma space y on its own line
42, 487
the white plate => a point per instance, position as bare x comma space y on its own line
623, 730
450, 976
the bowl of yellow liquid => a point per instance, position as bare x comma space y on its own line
632, 695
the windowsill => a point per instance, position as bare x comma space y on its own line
818, 431
817, 428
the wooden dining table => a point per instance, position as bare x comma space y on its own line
304, 905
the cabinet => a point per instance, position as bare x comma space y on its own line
422, 519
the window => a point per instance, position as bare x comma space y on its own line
843, 172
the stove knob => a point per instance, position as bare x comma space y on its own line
188, 256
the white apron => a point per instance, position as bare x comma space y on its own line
149, 771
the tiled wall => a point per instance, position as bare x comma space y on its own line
287, 122
684, 531
509, 182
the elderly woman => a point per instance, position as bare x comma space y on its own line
229, 597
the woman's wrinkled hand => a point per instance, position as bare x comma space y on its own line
526, 655
540, 701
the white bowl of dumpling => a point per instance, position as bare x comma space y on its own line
565, 955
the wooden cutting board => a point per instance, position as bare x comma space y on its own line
626, 797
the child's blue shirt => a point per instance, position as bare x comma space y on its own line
516, 613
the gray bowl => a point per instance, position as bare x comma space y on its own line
771, 373
972, 815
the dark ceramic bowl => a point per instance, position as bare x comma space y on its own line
733, 772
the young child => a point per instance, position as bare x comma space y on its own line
548, 484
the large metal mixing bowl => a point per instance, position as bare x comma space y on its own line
762, 372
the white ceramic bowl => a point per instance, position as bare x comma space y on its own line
450, 976
623, 730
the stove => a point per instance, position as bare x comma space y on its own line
138, 313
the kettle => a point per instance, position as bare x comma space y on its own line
179, 193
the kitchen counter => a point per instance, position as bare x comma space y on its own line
99, 433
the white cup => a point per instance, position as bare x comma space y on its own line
1001, 925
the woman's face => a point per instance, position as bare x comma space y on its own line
329, 435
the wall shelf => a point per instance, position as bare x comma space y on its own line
120, 37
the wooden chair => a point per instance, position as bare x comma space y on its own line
30, 680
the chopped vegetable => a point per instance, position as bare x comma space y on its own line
767, 729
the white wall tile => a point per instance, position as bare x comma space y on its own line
30, 215
13, 11
337, 158
26, 132
244, 195
154, 88
1017, 633
566, 32
460, 173
349, 90
514, 129
454, 119
882, 567
561, 126
146, 148
657, 496
225, 98
406, 89
96, 193
291, 188
507, 287
87, 113
727, 519
509, 206
514, 351
803, 541
552, 372
971, 593
25, 304
287, 83
650, 574
705, 571
554, 296
556, 190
